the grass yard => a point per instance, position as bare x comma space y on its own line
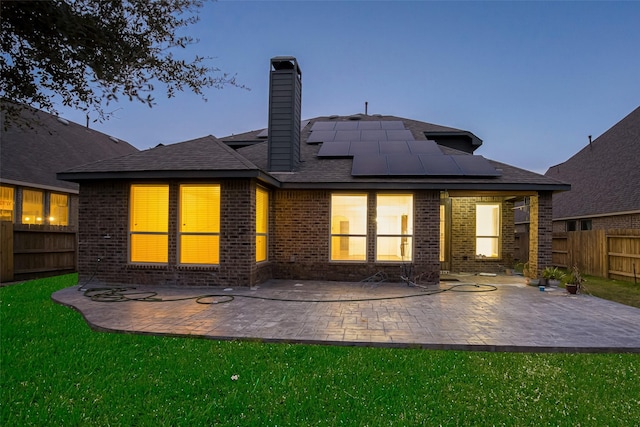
56, 371
627, 293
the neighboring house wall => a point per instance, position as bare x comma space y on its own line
630, 221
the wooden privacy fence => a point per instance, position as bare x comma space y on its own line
29, 251
614, 254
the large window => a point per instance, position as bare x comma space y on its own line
348, 227
262, 224
199, 224
394, 227
6, 203
488, 230
149, 222
58, 209
32, 207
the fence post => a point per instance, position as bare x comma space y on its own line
6, 251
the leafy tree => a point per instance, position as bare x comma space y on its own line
87, 53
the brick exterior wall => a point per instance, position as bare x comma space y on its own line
104, 234
298, 241
302, 233
540, 233
463, 236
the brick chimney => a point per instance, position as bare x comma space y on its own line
285, 99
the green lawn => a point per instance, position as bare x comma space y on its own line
56, 371
627, 293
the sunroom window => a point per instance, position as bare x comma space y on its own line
394, 227
348, 227
58, 209
262, 223
32, 207
6, 203
199, 224
488, 230
148, 224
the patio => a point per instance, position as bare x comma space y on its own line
465, 312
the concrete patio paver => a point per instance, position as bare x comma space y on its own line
456, 315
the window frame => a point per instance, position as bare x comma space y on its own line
497, 237
182, 233
41, 208
405, 238
51, 218
132, 233
265, 234
348, 236
11, 201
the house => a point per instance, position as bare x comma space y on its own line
330, 198
32, 198
605, 181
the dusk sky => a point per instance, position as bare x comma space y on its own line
531, 79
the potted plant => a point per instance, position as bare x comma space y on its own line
553, 276
574, 281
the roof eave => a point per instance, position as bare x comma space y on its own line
390, 185
173, 174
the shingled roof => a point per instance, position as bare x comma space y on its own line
604, 175
209, 157
34, 149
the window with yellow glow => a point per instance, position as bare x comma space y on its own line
394, 227
487, 230
59, 209
32, 207
149, 223
348, 227
443, 225
6, 203
262, 224
199, 224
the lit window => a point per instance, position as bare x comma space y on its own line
199, 224
149, 219
487, 230
59, 209
262, 224
6, 203
32, 207
348, 227
394, 219
443, 241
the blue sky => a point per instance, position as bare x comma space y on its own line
531, 79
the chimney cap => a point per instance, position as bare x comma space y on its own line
285, 63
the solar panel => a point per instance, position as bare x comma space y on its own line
368, 165
334, 149
392, 124
424, 147
373, 135
367, 125
263, 134
321, 136
439, 165
404, 164
393, 147
399, 135
323, 126
364, 147
347, 135
475, 165
346, 126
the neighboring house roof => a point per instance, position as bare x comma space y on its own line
209, 157
42, 145
604, 175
